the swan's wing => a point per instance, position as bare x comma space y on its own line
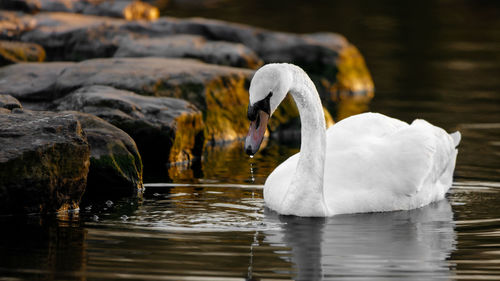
364, 125
379, 167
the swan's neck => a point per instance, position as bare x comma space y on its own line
305, 193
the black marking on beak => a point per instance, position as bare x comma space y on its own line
263, 105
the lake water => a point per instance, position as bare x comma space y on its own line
437, 60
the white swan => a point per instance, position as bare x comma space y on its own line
365, 163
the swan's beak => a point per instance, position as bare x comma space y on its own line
256, 133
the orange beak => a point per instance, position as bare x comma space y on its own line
256, 133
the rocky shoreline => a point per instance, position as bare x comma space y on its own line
91, 92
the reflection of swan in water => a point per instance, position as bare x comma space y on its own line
410, 245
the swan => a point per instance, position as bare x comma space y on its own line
365, 163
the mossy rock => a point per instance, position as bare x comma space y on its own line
166, 130
44, 162
115, 162
219, 92
13, 52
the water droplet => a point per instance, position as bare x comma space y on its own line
95, 218
109, 203
252, 178
88, 208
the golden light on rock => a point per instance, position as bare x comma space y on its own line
138, 10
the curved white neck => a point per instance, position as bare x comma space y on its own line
305, 193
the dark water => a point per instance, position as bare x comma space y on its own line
437, 60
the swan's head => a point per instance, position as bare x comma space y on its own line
268, 88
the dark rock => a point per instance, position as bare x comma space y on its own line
66, 36
116, 166
13, 52
79, 37
190, 46
24, 5
165, 129
335, 65
220, 92
44, 162
128, 9
9, 102
32, 81
115, 162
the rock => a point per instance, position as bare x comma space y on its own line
76, 37
335, 65
24, 5
218, 91
165, 129
9, 102
44, 162
116, 166
13, 52
12, 24
190, 46
128, 9
32, 81
115, 162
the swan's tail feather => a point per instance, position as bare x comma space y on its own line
456, 136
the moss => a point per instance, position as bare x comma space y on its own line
227, 102
353, 77
224, 103
187, 144
119, 169
44, 180
138, 10
12, 52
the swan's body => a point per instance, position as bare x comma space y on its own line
365, 163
